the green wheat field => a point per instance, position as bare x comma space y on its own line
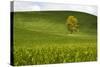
41, 37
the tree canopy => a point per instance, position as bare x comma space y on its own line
72, 24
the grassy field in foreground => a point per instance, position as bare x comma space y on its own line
42, 38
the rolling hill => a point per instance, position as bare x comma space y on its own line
46, 30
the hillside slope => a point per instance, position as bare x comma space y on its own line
37, 34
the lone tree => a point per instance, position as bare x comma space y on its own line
72, 24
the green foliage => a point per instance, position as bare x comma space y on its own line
55, 54
40, 38
72, 24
